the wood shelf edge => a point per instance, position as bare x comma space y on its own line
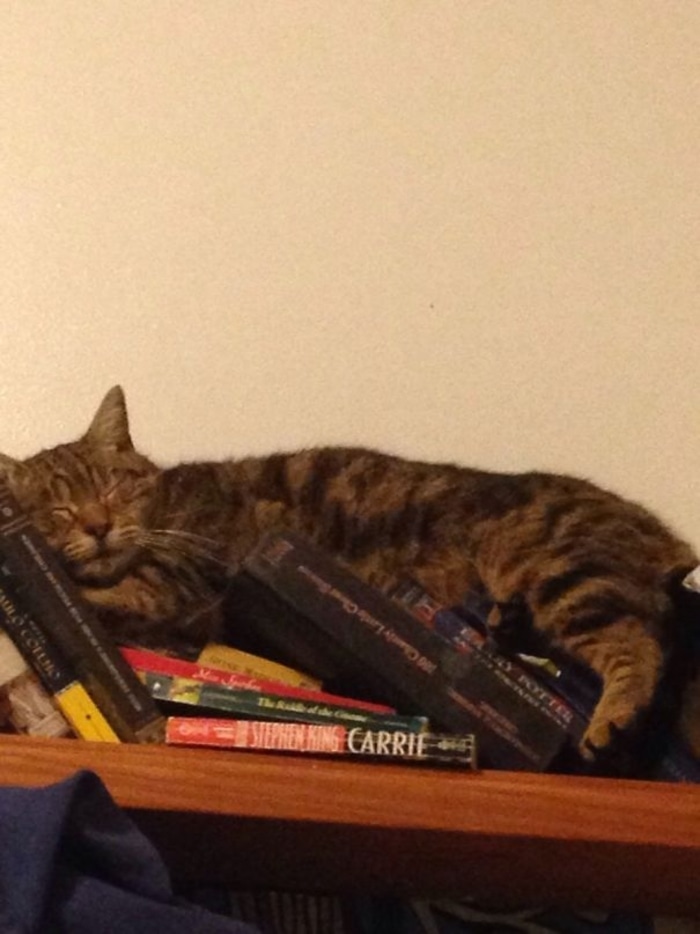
295, 822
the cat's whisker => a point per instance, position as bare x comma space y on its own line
171, 543
181, 547
191, 536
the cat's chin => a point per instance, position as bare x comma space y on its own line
105, 570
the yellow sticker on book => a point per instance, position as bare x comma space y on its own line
84, 715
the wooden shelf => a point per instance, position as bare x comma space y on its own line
297, 823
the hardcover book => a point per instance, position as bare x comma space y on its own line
295, 600
48, 593
331, 740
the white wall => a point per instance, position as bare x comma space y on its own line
458, 230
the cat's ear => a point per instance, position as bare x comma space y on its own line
14, 472
109, 429
8, 465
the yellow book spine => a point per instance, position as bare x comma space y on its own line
230, 659
84, 715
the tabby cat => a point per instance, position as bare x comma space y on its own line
152, 547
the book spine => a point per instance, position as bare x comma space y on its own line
228, 658
464, 638
167, 665
24, 702
55, 674
50, 594
459, 633
464, 627
426, 748
268, 706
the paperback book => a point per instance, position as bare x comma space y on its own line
53, 671
158, 664
173, 691
231, 659
531, 680
328, 740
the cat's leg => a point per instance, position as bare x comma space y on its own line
148, 609
628, 659
630, 663
134, 596
618, 629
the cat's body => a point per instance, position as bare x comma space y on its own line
151, 547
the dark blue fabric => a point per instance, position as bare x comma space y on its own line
72, 862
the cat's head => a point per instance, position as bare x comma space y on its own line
90, 498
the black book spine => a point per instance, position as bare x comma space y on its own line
464, 637
48, 592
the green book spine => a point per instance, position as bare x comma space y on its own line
187, 692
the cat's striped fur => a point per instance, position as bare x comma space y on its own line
150, 546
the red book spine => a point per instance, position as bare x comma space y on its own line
142, 660
322, 739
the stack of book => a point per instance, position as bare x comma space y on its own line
295, 603
62, 675
241, 706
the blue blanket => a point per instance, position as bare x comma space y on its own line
72, 862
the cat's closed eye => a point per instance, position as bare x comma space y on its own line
63, 512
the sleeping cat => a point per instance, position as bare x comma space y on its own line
152, 548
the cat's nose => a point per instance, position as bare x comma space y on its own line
98, 528
96, 522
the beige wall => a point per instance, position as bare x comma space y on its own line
463, 230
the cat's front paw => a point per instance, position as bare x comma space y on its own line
97, 596
599, 740
612, 731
